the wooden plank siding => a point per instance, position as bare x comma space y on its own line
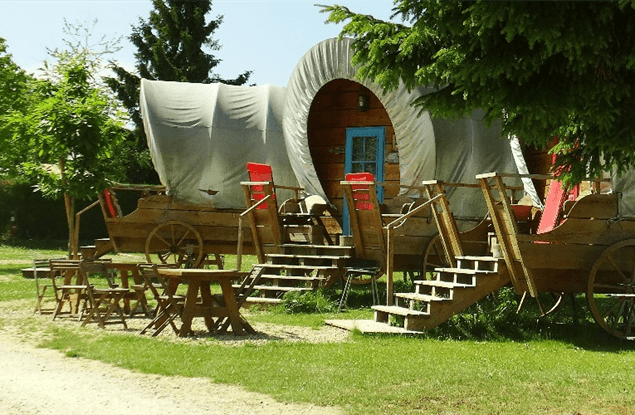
333, 110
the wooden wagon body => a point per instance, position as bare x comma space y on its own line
591, 250
168, 230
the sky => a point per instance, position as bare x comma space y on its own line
266, 36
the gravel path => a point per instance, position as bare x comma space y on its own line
43, 381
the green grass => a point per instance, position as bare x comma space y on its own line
487, 360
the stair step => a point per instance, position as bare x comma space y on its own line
300, 267
443, 284
276, 288
421, 297
262, 300
478, 258
334, 247
465, 271
301, 256
400, 311
369, 326
291, 277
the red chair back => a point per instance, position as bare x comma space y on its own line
555, 202
110, 205
259, 172
361, 193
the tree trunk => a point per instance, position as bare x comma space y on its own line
69, 205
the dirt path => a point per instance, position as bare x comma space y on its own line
44, 381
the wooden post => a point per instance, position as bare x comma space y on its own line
389, 266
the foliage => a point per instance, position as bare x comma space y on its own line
71, 124
14, 83
318, 301
171, 46
582, 371
550, 69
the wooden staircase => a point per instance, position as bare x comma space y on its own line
299, 267
452, 291
435, 301
102, 247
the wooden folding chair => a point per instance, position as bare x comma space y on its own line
169, 305
104, 299
67, 292
44, 281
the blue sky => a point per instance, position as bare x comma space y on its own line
266, 36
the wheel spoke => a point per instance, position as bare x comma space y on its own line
162, 240
183, 238
629, 318
609, 311
172, 233
619, 271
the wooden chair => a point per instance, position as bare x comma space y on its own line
169, 305
44, 281
104, 299
67, 292
365, 216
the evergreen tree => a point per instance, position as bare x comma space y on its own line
171, 46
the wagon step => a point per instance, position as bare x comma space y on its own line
465, 271
291, 277
443, 284
400, 311
412, 319
278, 288
305, 258
421, 297
262, 301
301, 267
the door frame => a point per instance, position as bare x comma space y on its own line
380, 133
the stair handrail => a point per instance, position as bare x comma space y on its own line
390, 245
239, 248
75, 241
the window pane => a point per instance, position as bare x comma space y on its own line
358, 149
371, 149
357, 168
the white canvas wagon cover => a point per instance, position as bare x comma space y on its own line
201, 136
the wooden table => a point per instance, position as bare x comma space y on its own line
210, 307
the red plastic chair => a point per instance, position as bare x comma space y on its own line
259, 172
361, 192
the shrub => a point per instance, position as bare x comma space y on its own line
319, 301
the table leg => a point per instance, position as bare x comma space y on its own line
125, 284
206, 295
232, 307
189, 308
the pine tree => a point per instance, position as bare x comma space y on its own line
171, 46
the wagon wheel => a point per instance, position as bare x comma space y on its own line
175, 243
611, 289
434, 257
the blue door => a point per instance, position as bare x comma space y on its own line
364, 153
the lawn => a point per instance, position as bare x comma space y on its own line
488, 360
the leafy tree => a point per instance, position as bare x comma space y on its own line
13, 89
66, 137
546, 69
171, 47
